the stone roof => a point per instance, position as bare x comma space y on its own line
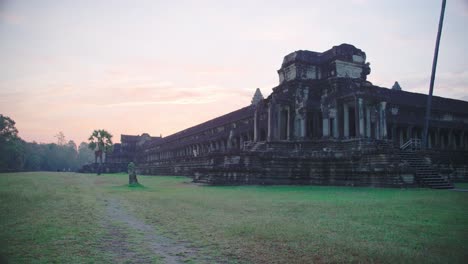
258, 96
240, 114
400, 97
343, 51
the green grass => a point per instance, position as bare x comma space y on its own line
461, 185
49, 217
260, 224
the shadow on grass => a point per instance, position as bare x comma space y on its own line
132, 187
135, 185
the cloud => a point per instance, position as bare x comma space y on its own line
182, 101
175, 96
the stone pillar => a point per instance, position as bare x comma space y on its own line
368, 122
256, 125
333, 123
383, 120
437, 138
377, 122
303, 125
336, 131
302, 132
325, 127
360, 106
270, 122
288, 124
345, 121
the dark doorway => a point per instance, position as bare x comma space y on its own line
284, 121
352, 122
262, 135
310, 125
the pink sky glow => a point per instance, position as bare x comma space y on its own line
162, 66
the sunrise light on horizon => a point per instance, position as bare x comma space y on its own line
159, 67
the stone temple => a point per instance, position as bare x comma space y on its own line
324, 124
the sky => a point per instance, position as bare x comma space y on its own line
158, 67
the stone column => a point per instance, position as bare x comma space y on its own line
303, 125
368, 122
325, 124
383, 120
345, 121
305, 117
333, 118
288, 124
256, 125
335, 128
437, 138
270, 122
377, 122
361, 116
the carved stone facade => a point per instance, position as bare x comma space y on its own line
323, 124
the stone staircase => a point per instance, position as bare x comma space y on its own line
424, 172
258, 146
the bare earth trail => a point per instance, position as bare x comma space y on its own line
131, 240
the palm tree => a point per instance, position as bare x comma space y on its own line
100, 142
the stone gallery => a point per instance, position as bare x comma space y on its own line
324, 124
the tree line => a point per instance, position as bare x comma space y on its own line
18, 155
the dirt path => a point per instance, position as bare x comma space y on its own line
131, 240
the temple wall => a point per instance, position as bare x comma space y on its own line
366, 170
346, 69
323, 124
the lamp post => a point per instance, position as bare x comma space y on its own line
431, 86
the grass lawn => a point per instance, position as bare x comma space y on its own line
59, 217
461, 185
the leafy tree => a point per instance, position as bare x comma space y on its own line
72, 145
18, 155
8, 130
101, 142
11, 146
85, 155
60, 138
33, 156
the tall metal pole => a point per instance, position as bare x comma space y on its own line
431, 87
